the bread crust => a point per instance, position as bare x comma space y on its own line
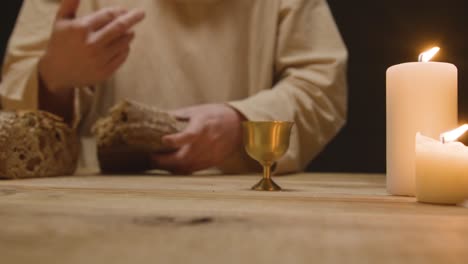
128, 135
36, 144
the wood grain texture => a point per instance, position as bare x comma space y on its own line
320, 218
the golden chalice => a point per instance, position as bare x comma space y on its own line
266, 142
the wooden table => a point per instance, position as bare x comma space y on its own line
320, 218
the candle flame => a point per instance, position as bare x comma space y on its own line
453, 135
428, 55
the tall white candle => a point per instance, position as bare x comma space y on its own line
421, 96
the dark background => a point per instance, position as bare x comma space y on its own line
378, 34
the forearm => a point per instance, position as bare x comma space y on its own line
58, 103
52, 98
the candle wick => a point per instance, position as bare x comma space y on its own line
428, 55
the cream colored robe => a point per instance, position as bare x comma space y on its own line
269, 59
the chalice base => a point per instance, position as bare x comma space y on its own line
266, 185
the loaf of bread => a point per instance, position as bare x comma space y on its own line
36, 144
129, 134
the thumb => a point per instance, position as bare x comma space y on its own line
68, 9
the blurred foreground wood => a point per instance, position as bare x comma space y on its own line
320, 218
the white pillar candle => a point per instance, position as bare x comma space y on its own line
421, 96
441, 171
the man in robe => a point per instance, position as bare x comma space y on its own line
214, 62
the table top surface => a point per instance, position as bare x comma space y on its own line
323, 218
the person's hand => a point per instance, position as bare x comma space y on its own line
213, 133
86, 50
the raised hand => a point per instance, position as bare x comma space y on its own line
213, 133
86, 50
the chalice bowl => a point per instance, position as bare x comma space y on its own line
266, 142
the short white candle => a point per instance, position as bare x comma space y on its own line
421, 96
441, 171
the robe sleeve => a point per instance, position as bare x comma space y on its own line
310, 87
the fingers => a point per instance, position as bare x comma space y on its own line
101, 18
173, 161
119, 26
120, 45
184, 161
179, 139
183, 113
68, 9
117, 61
187, 136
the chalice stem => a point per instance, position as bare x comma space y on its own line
267, 172
266, 183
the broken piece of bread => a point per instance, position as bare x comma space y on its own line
36, 144
129, 134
